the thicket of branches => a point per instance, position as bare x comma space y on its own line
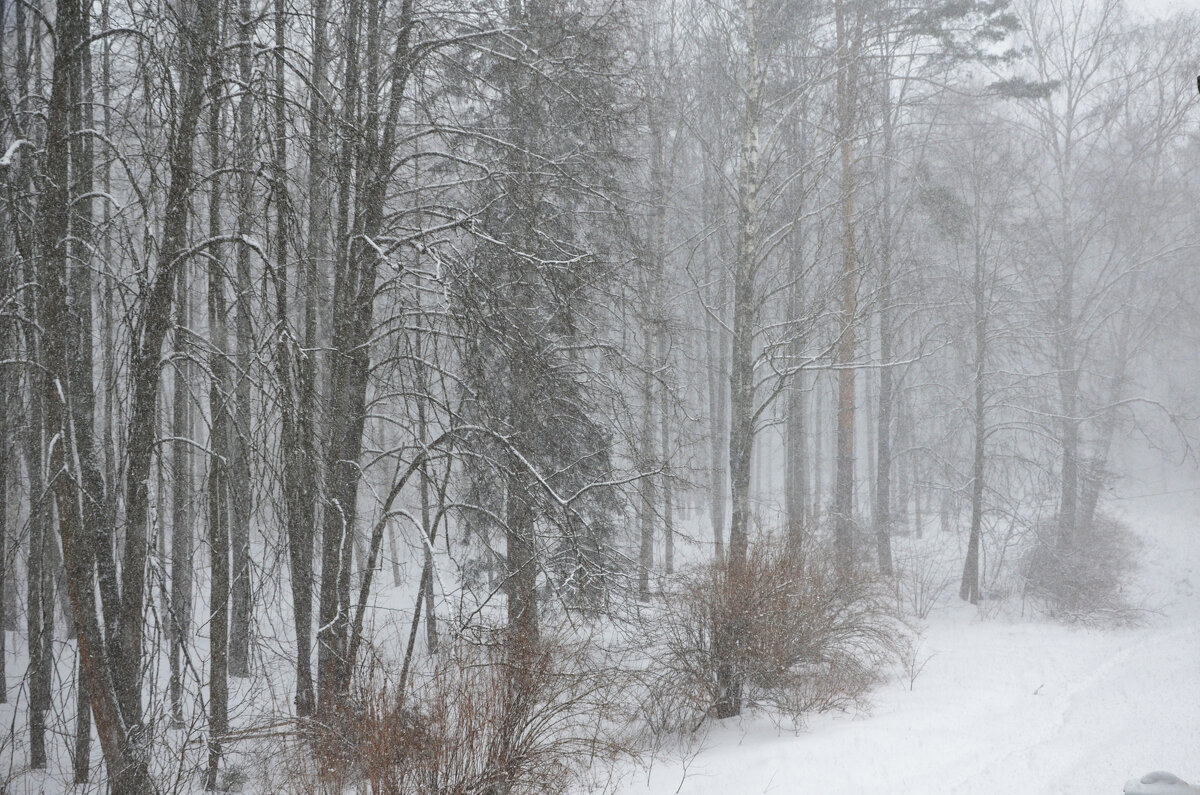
372, 370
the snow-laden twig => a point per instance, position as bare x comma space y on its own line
6, 161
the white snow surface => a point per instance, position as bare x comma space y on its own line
1159, 782
1004, 705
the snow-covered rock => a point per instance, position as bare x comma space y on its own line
1159, 782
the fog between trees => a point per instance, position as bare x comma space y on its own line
363, 356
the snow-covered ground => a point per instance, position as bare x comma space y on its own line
1003, 705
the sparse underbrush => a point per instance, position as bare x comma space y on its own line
1082, 578
785, 632
921, 579
483, 716
486, 715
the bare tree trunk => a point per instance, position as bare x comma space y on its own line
1068, 517
5, 454
427, 523
431, 635
969, 589
796, 464
883, 466
81, 754
646, 464
158, 538
29, 405
296, 364
945, 503
153, 322
714, 338
668, 518
1066, 354
903, 490
727, 632
366, 160
661, 313
818, 455
918, 492
1093, 474
111, 387
843, 509
347, 392
68, 406
297, 368
8, 341
39, 602
82, 388
521, 562
867, 416
218, 540
882, 514
222, 429
220, 397
36, 579
745, 303
240, 483
795, 443
179, 625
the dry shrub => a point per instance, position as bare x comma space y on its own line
785, 633
486, 716
920, 581
1082, 579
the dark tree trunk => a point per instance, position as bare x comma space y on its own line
81, 755
153, 322
295, 367
427, 521
346, 395
182, 562
5, 560
36, 580
521, 566
220, 397
39, 602
74, 479
218, 540
82, 388
366, 161
240, 483
39, 347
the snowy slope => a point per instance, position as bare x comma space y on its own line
1002, 706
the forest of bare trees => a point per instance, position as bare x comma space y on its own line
416, 388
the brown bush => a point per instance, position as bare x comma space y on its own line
484, 717
785, 632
